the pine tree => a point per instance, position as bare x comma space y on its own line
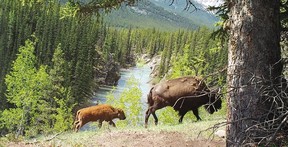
62, 101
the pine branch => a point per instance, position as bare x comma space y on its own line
95, 7
189, 3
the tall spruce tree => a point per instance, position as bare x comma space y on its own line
60, 96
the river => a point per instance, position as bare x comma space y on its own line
140, 73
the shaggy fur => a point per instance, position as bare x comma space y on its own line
99, 113
183, 94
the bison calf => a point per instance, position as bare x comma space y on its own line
99, 113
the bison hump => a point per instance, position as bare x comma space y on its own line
185, 86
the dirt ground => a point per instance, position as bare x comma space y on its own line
162, 139
132, 139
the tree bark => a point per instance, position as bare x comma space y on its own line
254, 55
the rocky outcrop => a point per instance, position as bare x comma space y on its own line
107, 73
154, 65
145, 58
113, 74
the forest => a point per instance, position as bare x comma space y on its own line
54, 56
53, 59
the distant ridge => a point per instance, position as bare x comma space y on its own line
159, 14
201, 17
146, 14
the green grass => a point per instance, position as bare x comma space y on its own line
168, 122
81, 138
191, 129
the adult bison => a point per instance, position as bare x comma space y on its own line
183, 94
99, 113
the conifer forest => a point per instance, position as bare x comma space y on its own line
54, 56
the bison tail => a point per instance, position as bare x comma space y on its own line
149, 97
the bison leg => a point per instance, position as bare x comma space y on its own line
155, 117
100, 124
112, 123
150, 111
182, 114
196, 113
78, 126
75, 123
147, 117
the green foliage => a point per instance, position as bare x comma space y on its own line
194, 53
57, 73
69, 10
10, 118
168, 116
63, 116
22, 71
140, 62
42, 103
130, 101
89, 7
26, 89
182, 66
53, 25
62, 98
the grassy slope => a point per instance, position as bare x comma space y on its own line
189, 130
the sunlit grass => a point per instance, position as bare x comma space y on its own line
189, 128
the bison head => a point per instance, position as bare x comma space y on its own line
121, 114
214, 102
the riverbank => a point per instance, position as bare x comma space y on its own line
141, 74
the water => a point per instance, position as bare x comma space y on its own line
140, 73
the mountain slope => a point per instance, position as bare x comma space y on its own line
200, 17
159, 14
147, 15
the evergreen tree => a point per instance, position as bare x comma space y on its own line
62, 100
27, 90
181, 65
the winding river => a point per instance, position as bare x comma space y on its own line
140, 73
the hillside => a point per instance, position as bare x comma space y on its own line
147, 15
162, 135
200, 17
159, 14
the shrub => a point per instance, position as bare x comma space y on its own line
130, 101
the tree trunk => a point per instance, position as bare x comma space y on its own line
254, 55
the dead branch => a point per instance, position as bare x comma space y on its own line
46, 140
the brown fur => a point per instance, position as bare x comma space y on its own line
171, 93
184, 86
99, 113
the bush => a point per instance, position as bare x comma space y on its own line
130, 101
